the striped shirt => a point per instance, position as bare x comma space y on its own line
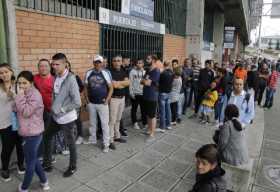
196, 70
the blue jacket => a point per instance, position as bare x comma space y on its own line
246, 109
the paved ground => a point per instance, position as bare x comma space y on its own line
164, 165
270, 151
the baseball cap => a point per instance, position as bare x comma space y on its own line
98, 58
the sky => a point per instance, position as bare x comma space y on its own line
269, 26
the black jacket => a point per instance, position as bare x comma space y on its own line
212, 181
206, 76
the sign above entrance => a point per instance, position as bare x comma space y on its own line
229, 37
110, 17
143, 8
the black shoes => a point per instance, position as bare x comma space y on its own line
70, 171
5, 174
123, 133
21, 169
112, 146
47, 168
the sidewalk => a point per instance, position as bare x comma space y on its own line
164, 165
268, 164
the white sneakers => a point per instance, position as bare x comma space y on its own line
44, 186
160, 130
79, 141
136, 126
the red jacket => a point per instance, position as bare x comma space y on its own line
273, 79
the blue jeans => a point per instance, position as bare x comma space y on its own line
219, 107
180, 105
30, 149
164, 110
269, 97
187, 92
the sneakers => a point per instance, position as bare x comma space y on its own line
123, 133
120, 140
45, 186
5, 174
70, 171
112, 146
160, 130
20, 189
47, 168
173, 123
105, 149
136, 126
65, 152
79, 141
90, 140
169, 128
21, 169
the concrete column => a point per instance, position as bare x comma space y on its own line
3, 45
194, 31
11, 33
218, 35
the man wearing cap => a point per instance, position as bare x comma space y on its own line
98, 94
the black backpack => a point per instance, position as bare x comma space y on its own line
246, 98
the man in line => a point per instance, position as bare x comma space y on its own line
150, 93
119, 81
98, 94
136, 92
44, 81
243, 100
66, 99
165, 86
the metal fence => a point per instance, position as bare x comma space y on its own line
170, 12
129, 43
173, 13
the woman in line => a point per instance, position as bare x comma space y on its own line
232, 144
9, 137
30, 108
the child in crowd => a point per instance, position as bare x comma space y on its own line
30, 108
208, 103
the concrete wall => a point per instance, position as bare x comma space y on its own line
218, 35
194, 27
40, 36
174, 47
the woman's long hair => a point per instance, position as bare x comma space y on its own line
7, 66
231, 114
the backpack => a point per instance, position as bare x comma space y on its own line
246, 98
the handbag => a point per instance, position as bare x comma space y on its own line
15, 123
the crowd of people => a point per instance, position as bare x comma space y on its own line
40, 114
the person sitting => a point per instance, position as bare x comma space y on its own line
208, 103
232, 144
210, 177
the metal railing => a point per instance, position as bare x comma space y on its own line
173, 13
170, 12
129, 43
